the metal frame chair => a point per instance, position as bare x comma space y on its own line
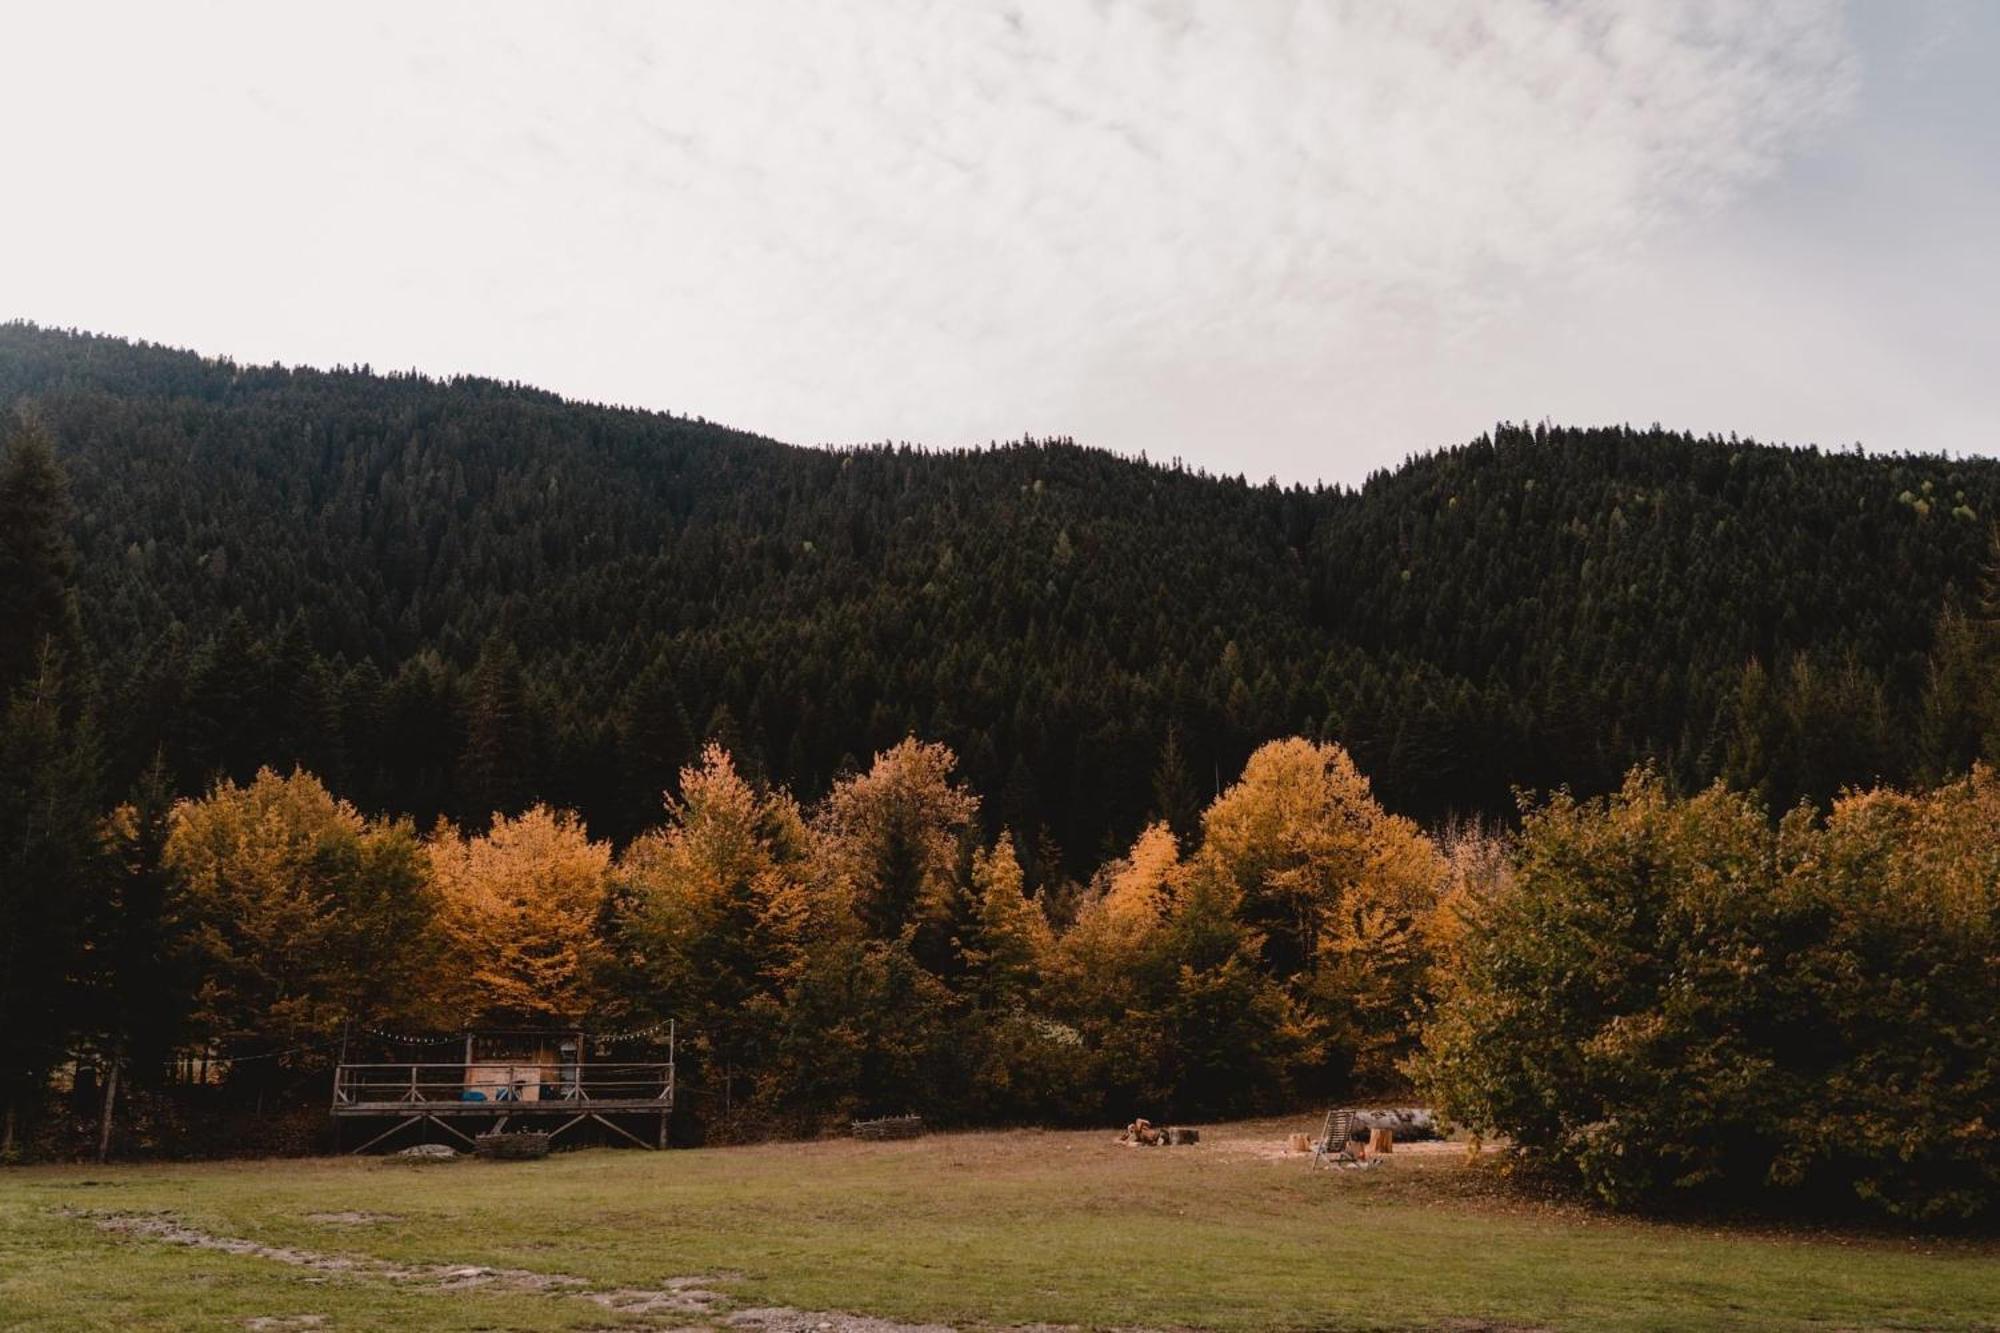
1335, 1145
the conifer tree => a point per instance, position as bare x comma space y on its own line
137, 971
35, 554
1014, 940
1174, 798
897, 839
495, 768
49, 871
49, 772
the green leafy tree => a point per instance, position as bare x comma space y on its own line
1675, 999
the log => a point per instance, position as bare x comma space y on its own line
1381, 1141
1301, 1143
1179, 1136
1410, 1123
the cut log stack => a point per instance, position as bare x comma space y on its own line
511, 1147
1144, 1134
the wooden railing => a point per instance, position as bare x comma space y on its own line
516, 1086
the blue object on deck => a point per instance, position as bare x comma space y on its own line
472, 1095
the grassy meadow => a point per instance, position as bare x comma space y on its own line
971, 1230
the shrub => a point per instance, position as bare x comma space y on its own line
1674, 999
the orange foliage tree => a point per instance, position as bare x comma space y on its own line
1342, 892
299, 912
519, 911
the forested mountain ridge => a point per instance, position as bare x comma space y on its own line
459, 596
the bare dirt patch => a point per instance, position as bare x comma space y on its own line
351, 1218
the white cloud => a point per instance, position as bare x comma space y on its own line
1224, 229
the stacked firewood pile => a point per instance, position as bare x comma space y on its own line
1143, 1134
518, 1146
890, 1127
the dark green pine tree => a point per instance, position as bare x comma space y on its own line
655, 741
1958, 688
35, 554
139, 993
496, 767
1174, 796
230, 681
419, 740
49, 871
49, 765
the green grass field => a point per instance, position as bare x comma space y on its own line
977, 1230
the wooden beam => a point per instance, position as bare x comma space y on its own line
451, 1131
405, 1124
619, 1129
570, 1123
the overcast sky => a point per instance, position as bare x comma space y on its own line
1297, 238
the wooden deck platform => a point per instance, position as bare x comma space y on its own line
489, 1095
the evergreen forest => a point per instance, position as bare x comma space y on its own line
460, 597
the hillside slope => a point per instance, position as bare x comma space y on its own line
454, 596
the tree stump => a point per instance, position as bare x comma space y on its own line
1182, 1136
1381, 1141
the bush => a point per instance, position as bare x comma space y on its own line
1676, 1000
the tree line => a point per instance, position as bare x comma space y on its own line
338, 698
870, 953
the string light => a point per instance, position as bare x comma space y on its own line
598, 1038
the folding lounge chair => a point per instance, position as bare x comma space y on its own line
1336, 1141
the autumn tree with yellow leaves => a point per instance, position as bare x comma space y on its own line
1343, 894
299, 913
897, 841
1095, 972
519, 911
709, 913
1013, 940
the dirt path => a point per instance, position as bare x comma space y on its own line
679, 1299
